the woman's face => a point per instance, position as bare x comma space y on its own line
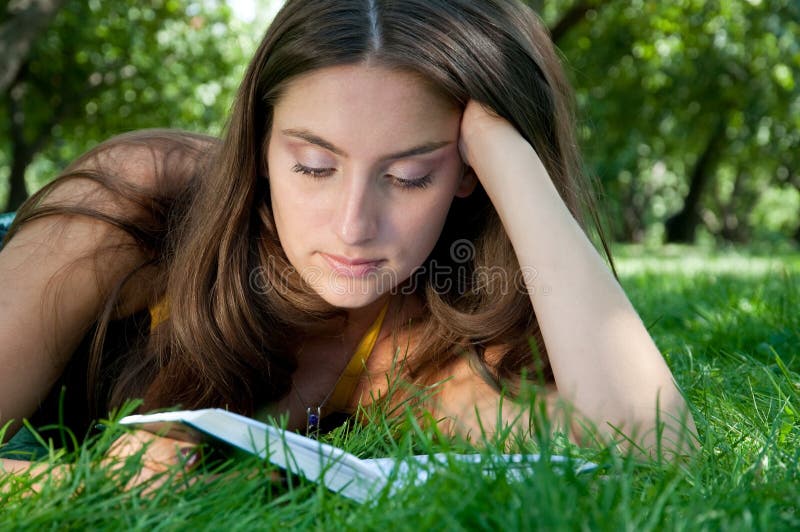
363, 166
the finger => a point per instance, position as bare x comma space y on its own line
190, 457
159, 456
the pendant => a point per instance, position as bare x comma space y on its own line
313, 416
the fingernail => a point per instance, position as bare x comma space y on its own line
190, 456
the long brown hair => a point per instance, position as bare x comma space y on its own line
236, 304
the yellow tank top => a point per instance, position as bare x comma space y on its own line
159, 313
348, 380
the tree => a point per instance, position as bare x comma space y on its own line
691, 108
684, 98
107, 67
22, 24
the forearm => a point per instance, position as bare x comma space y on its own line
8, 466
37, 471
603, 359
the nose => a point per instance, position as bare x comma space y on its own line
357, 213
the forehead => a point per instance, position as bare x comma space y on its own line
358, 105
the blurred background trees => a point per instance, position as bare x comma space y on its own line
690, 109
691, 114
95, 68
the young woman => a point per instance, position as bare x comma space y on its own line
398, 192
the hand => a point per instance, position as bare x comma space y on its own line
161, 456
486, 141
157, 457
158, 454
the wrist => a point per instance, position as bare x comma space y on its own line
508, 164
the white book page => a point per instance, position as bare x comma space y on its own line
417, 469
334, 468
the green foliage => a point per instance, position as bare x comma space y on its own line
107, 67
655, 79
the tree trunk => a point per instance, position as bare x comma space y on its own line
21, 154
734, 228
571, 18
18, 192
632, 215
682, 226
23, 23
24, 149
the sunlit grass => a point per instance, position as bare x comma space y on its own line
726, 322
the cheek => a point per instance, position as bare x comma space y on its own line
418, 219
299, 226
419, 226
296, 203
287, 210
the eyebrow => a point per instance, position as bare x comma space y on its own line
307, 136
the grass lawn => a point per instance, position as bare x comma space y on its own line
729, 326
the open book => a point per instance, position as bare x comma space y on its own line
339, 471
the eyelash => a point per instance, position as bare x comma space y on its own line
322, 173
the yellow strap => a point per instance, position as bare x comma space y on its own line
159, 313
348, 380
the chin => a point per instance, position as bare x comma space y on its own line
349, 300
347, 291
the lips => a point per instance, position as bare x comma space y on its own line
351, 262
358, 267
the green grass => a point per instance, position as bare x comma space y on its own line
729, 326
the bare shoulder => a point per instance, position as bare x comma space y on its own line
125, 179
52, 291
57, 271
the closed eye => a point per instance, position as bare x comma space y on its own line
316, 173
322, 173
420, 182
